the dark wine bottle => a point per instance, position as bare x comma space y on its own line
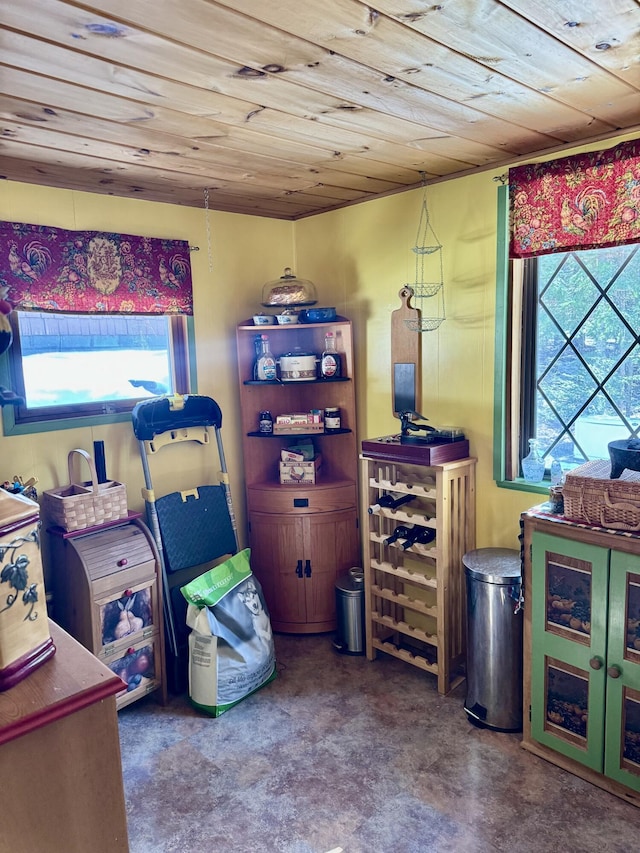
401, 532
389, 502
419, 535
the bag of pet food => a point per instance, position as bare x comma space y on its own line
231, 649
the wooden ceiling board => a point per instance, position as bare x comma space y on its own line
502, 39
606, 31
74, 171
28, 54
358, 32
288, 109
248, 44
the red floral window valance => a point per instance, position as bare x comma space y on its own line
88, 272
584, 202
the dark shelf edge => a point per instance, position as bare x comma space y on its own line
298, 434
294, 382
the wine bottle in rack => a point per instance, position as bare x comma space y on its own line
418, 536
390, 501
400, 532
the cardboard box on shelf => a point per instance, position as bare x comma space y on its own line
291, 456
300, 473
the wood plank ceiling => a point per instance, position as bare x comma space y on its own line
286, 108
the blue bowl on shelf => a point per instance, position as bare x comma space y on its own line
317, 315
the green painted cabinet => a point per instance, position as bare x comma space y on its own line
582, 651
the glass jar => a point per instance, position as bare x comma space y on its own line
265, 424
331, 418
533, 463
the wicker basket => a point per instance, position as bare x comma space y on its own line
81, 505
591, 496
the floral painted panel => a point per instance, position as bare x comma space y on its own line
87, 272
583, 202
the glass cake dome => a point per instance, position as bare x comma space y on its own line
289, 291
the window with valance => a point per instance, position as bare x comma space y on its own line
571, 315
111, 311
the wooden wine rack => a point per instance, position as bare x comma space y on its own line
415, 599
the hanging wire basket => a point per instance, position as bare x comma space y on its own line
424, 324
426, 287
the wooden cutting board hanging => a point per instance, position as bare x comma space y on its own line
406, 352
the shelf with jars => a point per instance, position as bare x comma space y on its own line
303, 533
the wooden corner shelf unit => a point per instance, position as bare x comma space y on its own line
302, 536
415, 599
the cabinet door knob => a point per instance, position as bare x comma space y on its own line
299, 568
596, 662
614, 671
123, 561
307, 568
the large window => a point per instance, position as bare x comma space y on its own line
567, 308
72, 366
581, 373
573, 364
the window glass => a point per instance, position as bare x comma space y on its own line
584, 390
72, 365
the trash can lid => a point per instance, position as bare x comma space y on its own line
352, 582
493, 565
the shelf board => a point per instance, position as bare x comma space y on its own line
289, 382
405, 655
322, 484
404, 601
423, 550
298, 434
404, 628
419, 490
400, 572
267, 328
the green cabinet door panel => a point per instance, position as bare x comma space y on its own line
569, 647
622, 743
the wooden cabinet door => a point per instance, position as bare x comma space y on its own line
622, 742
277, 559
297, 560
331, 549
569, 640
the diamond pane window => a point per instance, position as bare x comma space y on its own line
581, 363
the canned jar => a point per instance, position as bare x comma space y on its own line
265, 425
332, 418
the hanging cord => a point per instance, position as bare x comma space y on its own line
427, 243
208, 226
422, 248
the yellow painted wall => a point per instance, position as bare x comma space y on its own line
359, 258
245, 252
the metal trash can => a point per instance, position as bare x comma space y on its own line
350, 613
494, 638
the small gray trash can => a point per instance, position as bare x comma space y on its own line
350, 613
494, 638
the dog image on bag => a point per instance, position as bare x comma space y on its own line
231, 648
259, 617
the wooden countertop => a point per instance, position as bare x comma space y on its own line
69, 681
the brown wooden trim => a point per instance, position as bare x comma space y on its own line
72, 680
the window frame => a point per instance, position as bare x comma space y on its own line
507, 369
516, 311
182, 338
